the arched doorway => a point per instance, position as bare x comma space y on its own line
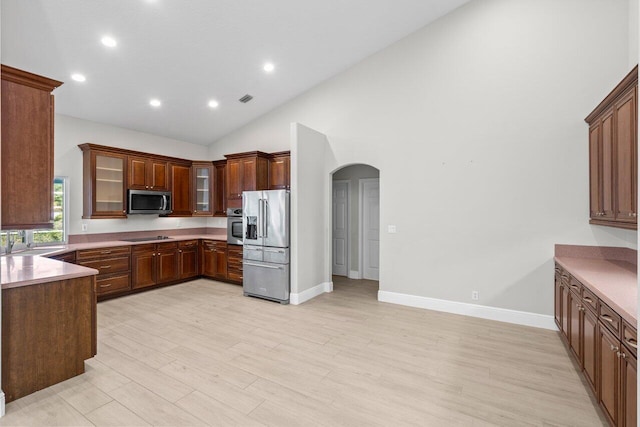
355, 227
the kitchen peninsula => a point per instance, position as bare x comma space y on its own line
48, 322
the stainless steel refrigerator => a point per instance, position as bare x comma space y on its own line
265, 251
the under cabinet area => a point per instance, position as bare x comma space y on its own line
613, 148
603, 345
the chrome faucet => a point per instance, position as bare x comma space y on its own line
21, 234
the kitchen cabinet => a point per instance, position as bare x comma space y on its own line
113, 265
181, 189
214, 259
234, 263
603, 345
147, 173
220, 191
48, 331
202, 197
613, 146
279, 171
188, 258
26, 152
103, 183
154, 264
246, 172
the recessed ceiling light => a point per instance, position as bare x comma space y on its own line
213, 103
109, 41
269, 67
78, 77
155, 103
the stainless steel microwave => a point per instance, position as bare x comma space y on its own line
149, 202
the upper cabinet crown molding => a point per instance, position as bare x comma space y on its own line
629, 81
26, 78
127, 152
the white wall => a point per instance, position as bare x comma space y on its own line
70, 131
476, 123
353, 174
309, 198
634, 12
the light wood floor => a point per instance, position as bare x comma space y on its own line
200, 353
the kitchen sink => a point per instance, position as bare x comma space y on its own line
147, 239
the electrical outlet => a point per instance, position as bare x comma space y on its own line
85, 227
475, 295
391, 229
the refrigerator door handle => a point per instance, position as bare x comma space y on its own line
265, 218
263, 266
259, 225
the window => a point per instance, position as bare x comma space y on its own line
47, 236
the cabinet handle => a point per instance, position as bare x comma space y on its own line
153, 254
105, 286
104, 266
606, 317
621, 354
180, 250
152, 187
613, 347
587, 299
631, 342
105, 252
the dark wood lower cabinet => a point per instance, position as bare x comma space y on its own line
603, 344
589, 324
628, 385
48, 331
609, 369
214, 259
188, 254
154, 264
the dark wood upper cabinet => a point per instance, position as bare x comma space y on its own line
103, 183
246, 172
181, 189
279, 171
27, 149
613, 146
148, 174
202, 188
220, 190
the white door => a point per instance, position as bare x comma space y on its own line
370, 228
340, 230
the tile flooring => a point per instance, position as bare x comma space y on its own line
200, 353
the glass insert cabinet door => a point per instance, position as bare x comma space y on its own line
109, 185
203, 180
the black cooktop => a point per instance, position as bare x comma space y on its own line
147, 239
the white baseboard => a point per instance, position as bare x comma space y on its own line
474, 310
2, 404
296, 299
354, 274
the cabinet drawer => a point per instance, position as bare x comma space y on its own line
630, 337
103, 252
109, 265
112, 283
188, 244
214, 244
234, 275
149, 247
235, 250
609, 318
575, 286
589, 300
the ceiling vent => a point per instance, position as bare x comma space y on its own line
246, 98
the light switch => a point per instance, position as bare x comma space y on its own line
84, 227
391, 228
